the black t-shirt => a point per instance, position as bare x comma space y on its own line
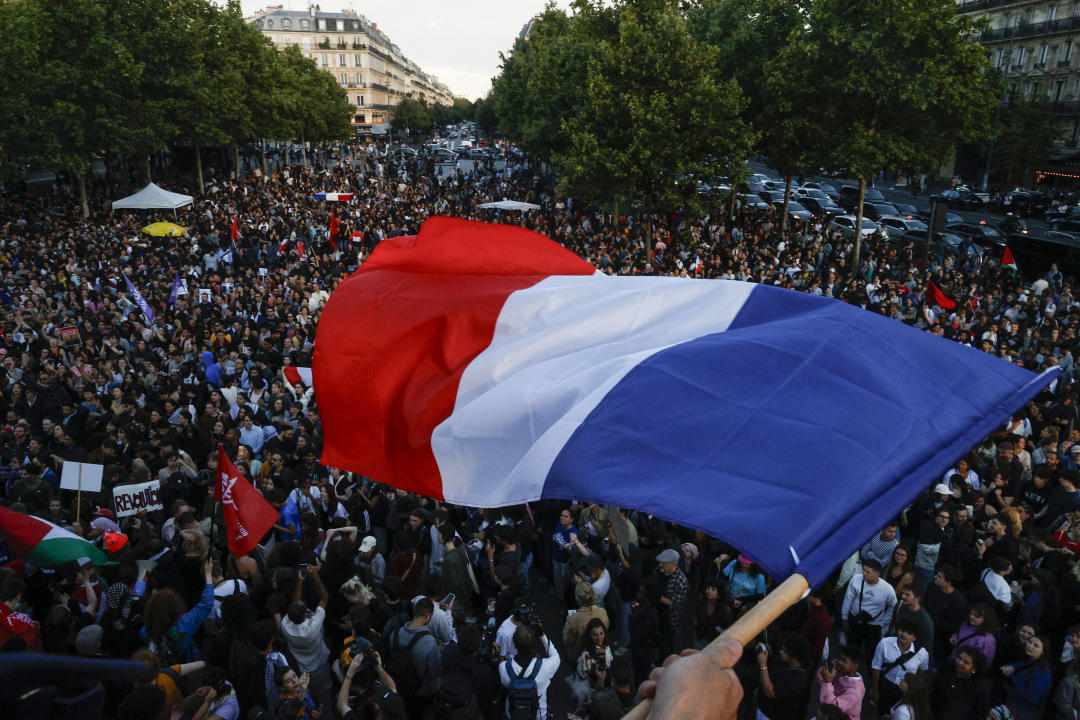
1034, 496
791, 687
390, 704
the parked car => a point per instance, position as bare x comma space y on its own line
906, 209
849, 197
898, 225
772, 196
846, 225
444, 155
825, 188
950, 217
825, 207
753, 201
983, 235
758, 178
1066, 224
795, 210
876, 211
1026, 203
959, 197
805, 192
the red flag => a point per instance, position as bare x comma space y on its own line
284, 244
358, 236
300, 248
333, 230
234, 234
934, 294
247, 515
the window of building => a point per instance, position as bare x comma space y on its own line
360, 100
1042, 54
1059, 90
344, 79
286, 24
321, 24
325, 60
1020, 57
1075, 134
356, 59
1066, 51
269, 24
341, 60
305, 41
1051, 13
1036, 89
304, 24
1002, 58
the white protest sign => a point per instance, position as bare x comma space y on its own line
131, 499
81, 476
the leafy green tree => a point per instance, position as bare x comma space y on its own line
411, 115
890, 84
656, 114
1025, 138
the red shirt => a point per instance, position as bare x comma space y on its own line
17, 624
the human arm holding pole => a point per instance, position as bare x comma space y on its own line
702, 685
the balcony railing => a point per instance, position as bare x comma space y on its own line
1031, 30
379, 87
976, 5
1061, 107
325, 45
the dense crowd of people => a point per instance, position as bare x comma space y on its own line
368, 602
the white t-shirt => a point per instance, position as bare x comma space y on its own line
549, 666
504, 638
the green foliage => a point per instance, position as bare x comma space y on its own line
1026, 137
411, 115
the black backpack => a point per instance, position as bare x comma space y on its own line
455, 696
400, 665
522, 696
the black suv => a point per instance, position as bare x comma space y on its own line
849, 197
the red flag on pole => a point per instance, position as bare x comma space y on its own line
234, 233
333, 230
247, 515
283, 244
937, 297
357, 236
300, 248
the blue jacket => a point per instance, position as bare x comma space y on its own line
213, 370
1027, 690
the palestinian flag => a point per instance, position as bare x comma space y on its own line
1007, 261
44, 544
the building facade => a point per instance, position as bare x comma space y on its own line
374, 73
1034, 44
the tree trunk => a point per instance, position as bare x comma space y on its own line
146, 169
262, 147
81, 180
303, 151
858, 225
198, 167
236, 152
787, 200
615, 207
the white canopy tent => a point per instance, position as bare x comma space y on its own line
153, 197
505, 204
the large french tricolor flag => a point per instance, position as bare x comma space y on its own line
487, 365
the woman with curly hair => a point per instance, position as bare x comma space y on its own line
169, 629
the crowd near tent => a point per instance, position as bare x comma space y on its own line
153, 197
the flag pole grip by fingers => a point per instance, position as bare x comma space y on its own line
749, 626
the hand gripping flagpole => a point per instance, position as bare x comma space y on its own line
748, 627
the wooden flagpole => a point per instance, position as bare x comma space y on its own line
749, 626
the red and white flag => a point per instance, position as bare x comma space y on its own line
296, 375
234, 233
283, 244
248, 516
300, 248
357, 236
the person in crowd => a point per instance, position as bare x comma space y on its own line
979, 631
900, 570
894, 658
914, 702
785, 687
840, 683
535, 658
867, 608
1027, 682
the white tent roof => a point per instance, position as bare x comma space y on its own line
153, 197
505, 204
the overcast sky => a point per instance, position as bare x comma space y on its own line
457, 40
